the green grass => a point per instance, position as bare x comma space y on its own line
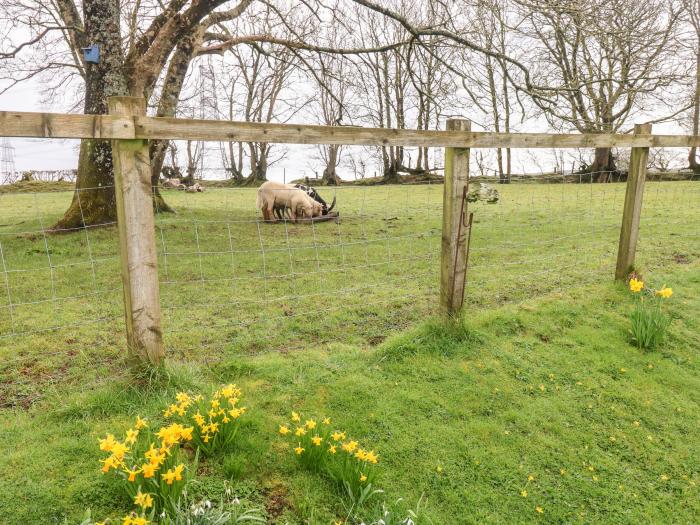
538, 378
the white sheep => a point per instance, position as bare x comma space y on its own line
275, 194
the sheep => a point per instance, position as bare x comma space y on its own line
171, 183
273, 195
280, 210
194, 188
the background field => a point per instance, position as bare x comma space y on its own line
538, 379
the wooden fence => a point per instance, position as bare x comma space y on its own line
130, 129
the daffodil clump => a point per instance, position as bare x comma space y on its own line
215, 420
319, 447
152, 466
649, 322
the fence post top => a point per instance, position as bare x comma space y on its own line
125, 105
642, 129
458, 124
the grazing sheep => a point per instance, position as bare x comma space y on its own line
273, 195
280, 210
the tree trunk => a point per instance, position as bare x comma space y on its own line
157, 151
330, 177
258, 165
603, 165
94, 199
167, 107
693, 154
391, 171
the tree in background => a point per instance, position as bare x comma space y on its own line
692, 15
609, 59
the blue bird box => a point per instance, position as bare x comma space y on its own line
92, 54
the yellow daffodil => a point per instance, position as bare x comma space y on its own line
107, 443
371, 457
143, 500
350, 446
363, 478
531, 478
332, 449
169, 476
296, 417
316, 440
337, 436
523, 493
186, 433
178, 471
132, 474
149, 470
539, 510
327, 421
284, 430
131, 436
235, 413
310, 424
140, 423
665, 292
299, 450
300, 431
636, 285
664, 477
199, 419
138, 520
110, 462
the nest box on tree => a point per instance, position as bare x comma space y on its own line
92, 53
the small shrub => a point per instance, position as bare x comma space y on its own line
649, 322
321, 449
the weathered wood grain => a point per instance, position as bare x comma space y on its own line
54, 125
137, 243
57, 125
632, 212
453, 260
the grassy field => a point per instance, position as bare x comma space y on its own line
338, 319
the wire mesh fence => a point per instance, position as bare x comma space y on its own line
233, 283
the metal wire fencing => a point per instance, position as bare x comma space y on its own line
232, 283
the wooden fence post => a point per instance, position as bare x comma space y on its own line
137, 242
629, 231
454, 239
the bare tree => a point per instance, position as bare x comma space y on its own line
692, 11
610, 58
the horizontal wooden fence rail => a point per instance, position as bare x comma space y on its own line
56, 125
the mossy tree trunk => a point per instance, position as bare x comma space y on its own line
94, 199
